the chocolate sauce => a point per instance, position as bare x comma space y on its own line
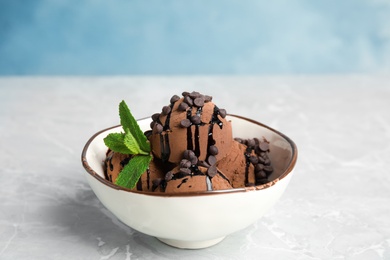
215, 119
109, 162
139, 185
189, 132
165, 149
182, 182
164, 138
125, 161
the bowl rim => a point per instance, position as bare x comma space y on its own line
288, 170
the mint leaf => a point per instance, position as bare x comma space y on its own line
132, 144
128, 122
131, 173
115, 141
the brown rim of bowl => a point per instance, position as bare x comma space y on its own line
290, 167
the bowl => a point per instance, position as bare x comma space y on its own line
193, 219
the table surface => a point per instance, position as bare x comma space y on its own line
336, 206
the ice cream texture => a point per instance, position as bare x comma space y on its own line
193, 150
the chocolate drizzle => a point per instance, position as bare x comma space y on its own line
189, 131
164, 137
139, 185
182, 182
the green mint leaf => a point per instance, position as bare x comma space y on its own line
132, 144
115, 141
131, 173
129, 123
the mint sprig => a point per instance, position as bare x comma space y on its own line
133, 142
132, 171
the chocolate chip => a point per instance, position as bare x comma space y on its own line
169, 176
250, 143
152, 124
222, 112
262, 181
194, 94
264, 146
253, 159
155, 116
166, 110
268, 169
148, 133
240, 140
261, 175
156, 182
213, 150
183, 106
188, 153
199, 101
174, 98
185, 123
185, 93
157, 128
188, 100
259, 167
195, 119
184, 163
185, 171
267, 161
212, 171
212, 160
261, 159
207, 98
194, 160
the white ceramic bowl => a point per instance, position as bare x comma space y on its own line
193, 220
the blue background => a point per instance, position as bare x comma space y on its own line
193, 37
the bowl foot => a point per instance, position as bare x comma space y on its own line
191, 244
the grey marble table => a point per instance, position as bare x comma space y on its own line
336, 206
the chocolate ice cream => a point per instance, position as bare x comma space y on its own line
194, 150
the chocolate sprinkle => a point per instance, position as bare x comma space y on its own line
166, 110
264, 146
195, 119
222, 112
169, 176
212, 160
207, 98
174, 98
199, 101
213, 150
157, 128
183, 106
185, 171
184, 163
194, 94
155, 116
188, 100
212, 171
185, 123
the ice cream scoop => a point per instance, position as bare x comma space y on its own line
194, 151
191, 122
